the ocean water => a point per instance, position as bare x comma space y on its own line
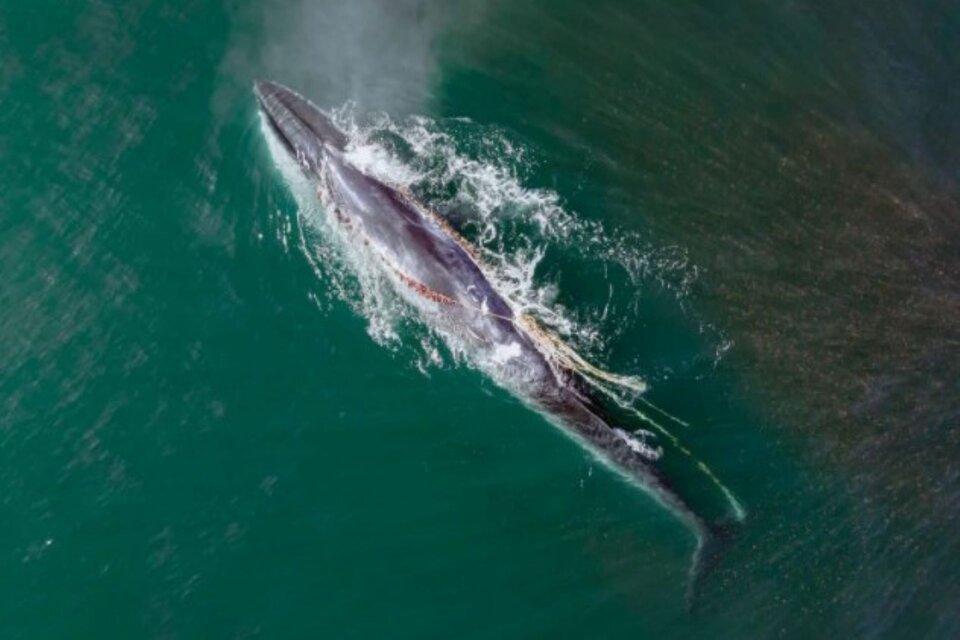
211, 427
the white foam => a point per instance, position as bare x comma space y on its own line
504, 353
639, 446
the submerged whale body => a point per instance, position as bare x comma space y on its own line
436, 271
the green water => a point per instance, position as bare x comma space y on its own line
199, 438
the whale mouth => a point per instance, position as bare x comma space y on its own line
302, 128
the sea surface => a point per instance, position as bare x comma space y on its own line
211, 428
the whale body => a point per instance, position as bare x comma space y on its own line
436, 271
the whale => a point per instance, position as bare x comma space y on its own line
440, 274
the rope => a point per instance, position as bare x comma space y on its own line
575, 361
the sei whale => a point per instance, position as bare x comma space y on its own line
439, 274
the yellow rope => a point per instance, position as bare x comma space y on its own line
574, 360
571, 359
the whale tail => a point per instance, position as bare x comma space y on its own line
713, 542
632, 452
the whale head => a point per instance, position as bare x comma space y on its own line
303, 129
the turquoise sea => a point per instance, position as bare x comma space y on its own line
210, 429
